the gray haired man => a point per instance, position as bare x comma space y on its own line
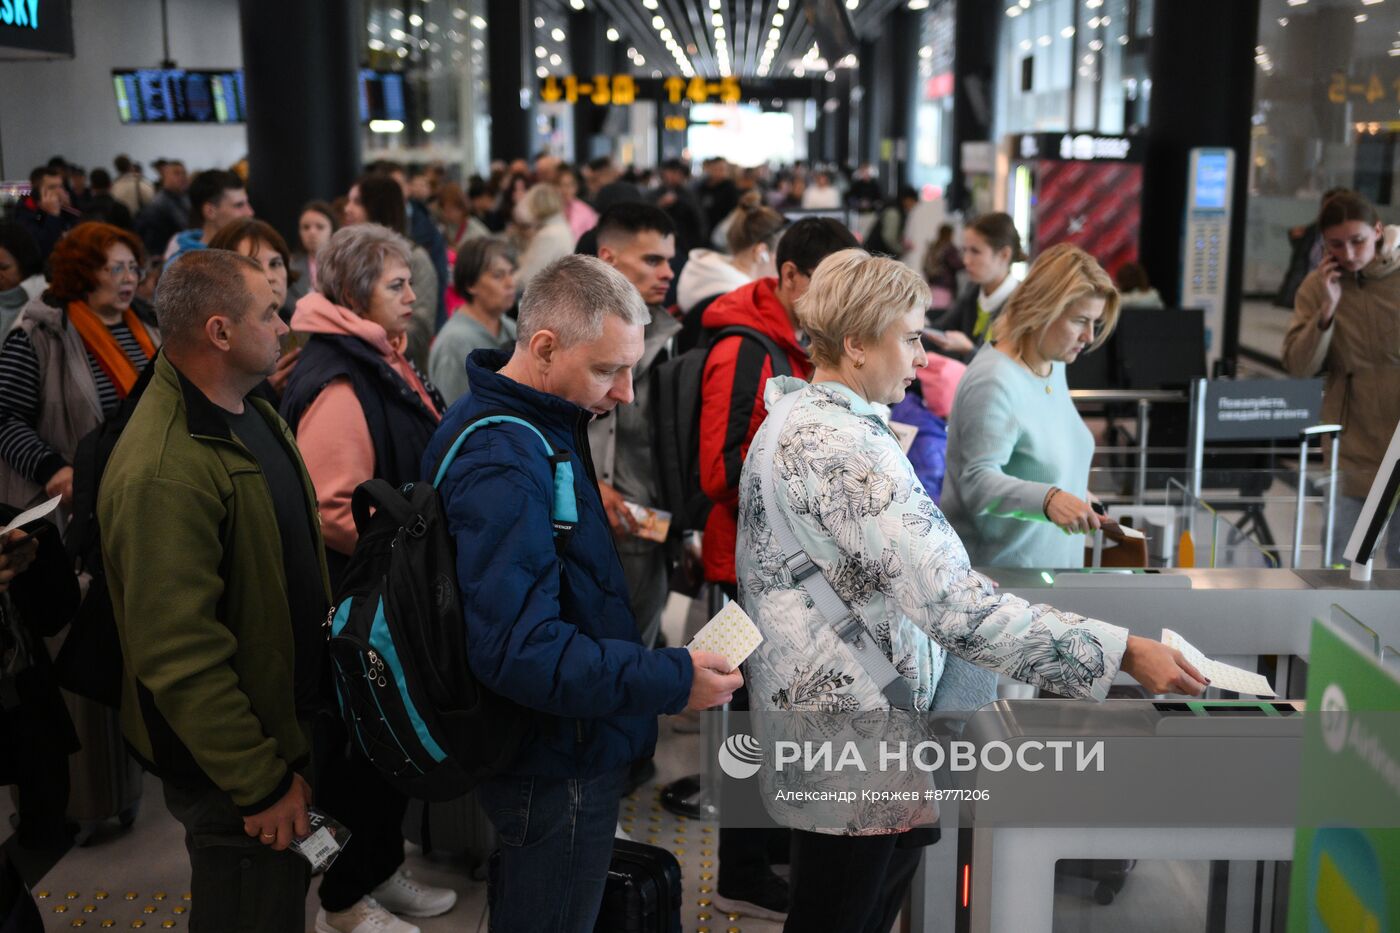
548, 621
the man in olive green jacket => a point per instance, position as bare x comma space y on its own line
212, 547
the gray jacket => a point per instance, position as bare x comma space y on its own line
68, 403
622, 444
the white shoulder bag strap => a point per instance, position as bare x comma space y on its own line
808, 575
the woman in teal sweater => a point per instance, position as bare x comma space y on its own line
1017, 489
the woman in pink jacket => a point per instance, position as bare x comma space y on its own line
361, 410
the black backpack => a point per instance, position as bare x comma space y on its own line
398, 637
676, 411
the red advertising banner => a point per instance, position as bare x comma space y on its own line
1097, 206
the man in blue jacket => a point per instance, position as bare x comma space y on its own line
554, 631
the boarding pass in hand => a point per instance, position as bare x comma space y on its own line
1222, 676
730, 633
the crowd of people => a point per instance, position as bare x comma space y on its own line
248, 388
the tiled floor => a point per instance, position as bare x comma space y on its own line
139, 878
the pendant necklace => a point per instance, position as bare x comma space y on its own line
1046, 377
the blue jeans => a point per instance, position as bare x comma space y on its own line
556, 839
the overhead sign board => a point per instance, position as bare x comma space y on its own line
1077, 147
623, 90
35, 29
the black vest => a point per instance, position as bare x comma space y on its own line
400, 425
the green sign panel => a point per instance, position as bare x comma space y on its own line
1346, 857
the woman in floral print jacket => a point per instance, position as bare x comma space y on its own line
856, 507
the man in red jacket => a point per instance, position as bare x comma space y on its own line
731, 409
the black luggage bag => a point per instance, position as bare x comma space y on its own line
643, 893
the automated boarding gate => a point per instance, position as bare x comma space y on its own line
1253, 618
1192, 780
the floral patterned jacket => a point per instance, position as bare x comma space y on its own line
857, 508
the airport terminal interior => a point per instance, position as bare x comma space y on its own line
1021, 373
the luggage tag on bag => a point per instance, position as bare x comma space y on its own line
321, 846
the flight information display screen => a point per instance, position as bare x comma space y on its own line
381, 96
177, 95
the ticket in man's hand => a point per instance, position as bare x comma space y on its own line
730, 633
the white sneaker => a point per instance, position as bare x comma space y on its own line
403, 895
365, 917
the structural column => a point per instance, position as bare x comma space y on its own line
592, 55
1202, 95
300, 79
512, 83
974, 67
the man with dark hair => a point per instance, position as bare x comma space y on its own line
220, 674
422, 230
639, 241
678, 200
102, 205
169, 213
45, 211
731, 409
481, 204
606, 187
217, 197
718, 195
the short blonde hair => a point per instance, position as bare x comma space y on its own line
855, 294
1059, 277
543, 202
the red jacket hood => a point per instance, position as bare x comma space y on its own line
755, 305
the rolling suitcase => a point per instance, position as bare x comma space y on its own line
105, 779
455, 827
643, 893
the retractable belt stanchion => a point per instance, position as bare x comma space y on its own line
1304, 436
697, 795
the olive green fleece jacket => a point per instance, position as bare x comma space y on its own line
193, 557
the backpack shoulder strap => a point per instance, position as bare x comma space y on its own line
781, 367
563, 511
807, 575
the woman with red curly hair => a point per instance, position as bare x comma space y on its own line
72, 356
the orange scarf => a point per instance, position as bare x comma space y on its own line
104, 347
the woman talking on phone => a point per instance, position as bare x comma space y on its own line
1346, 323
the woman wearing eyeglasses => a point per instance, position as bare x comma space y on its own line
73, 355
1017, 488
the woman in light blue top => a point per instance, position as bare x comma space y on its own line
854, 505
1017, 488
485, 278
